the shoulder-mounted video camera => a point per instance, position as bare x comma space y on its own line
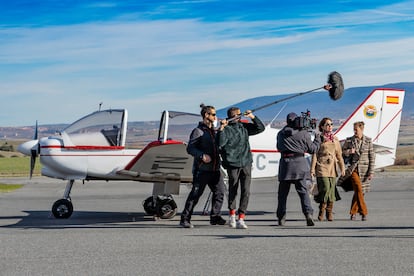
305, 121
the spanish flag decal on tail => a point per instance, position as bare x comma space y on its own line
393, 100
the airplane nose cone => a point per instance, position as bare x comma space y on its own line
27, 147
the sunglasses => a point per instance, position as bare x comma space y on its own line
328, 124
212, 114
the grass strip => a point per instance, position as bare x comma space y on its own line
18, 166
7, 188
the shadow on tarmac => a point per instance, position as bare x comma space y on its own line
392, 236
108, 220
92, 219
80, 219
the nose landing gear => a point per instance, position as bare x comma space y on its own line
63, 208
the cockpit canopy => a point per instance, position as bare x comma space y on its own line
101, 128
176, 125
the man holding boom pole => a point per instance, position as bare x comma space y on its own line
233, 140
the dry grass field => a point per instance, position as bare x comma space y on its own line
405, 149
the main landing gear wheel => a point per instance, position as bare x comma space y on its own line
62, 208
150, 206
162, 206
166, 207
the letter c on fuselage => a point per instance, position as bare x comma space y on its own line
258, 163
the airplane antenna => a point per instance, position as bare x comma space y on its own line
274, 118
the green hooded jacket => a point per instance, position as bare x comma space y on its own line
234, 145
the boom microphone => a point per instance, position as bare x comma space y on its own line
335, 87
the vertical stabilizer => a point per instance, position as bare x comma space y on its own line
381, 112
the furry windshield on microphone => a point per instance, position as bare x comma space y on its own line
337, 86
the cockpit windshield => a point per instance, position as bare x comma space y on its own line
107, 124
176, 125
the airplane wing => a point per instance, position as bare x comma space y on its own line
167, 163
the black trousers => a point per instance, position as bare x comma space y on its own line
215, 182
242, 177
301, 189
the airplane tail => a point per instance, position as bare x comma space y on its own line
381, 112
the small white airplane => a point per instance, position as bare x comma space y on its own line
93, 148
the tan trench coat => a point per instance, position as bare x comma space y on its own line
326, 161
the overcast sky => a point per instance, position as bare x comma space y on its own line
60, 59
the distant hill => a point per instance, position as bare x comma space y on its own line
321, 105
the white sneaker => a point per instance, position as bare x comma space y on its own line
241, 224
232, 221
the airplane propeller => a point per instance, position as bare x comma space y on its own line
31, 148
34, 151
32, 161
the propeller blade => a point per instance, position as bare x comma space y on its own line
35, 136
32, 161
31, 148
34, 152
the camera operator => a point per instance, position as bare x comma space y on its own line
293, 141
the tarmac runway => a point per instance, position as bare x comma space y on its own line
109, 233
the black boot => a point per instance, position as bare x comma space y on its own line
309, 220
214, 220
282, 221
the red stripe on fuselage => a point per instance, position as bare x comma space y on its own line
85, 147
264, 151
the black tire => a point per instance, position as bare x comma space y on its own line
150, 206
62, 208
166, 207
